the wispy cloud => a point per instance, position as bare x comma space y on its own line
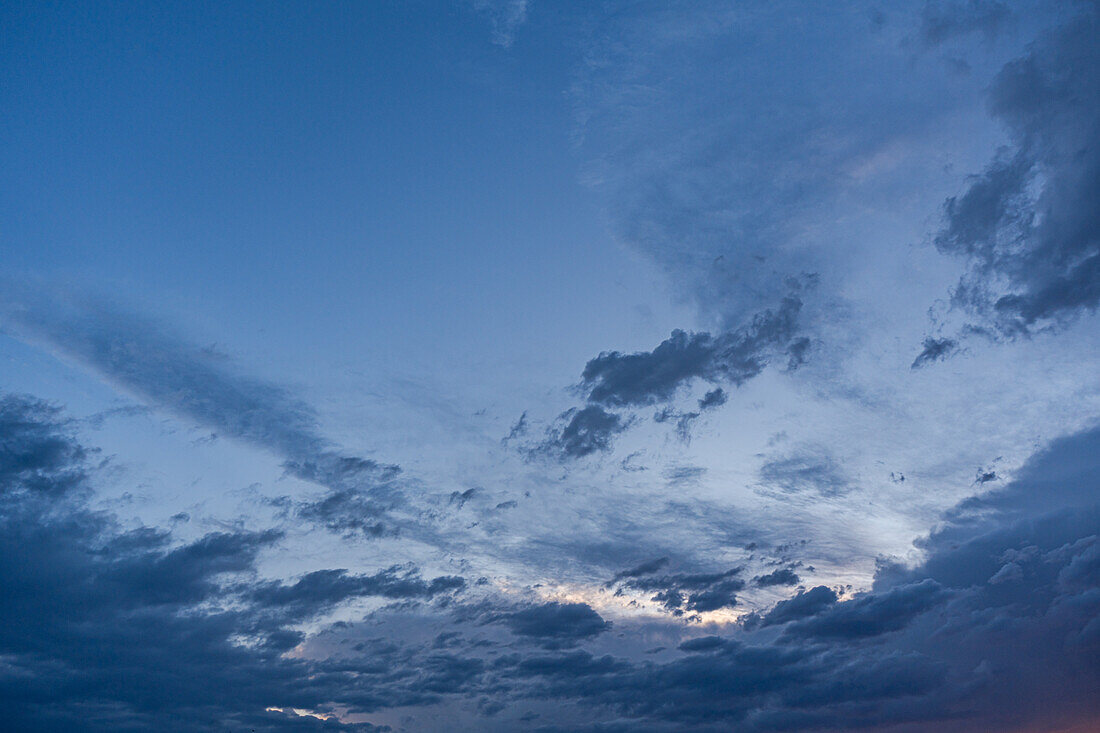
147, 360
505, 18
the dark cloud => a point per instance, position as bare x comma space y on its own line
646, 568
714, 398
350, 512
1028, 225
872, 614
806, 603
556, 625
321, 590
996, 630
779, 576
984, 476
683, 592
682, 420
112, 630
617, 380
106, 629
614, 379
585, 431
935, 349
35, 455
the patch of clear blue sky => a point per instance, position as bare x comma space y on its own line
334, 183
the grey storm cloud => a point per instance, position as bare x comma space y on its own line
683, 592
806, 603
556, 625
93, 610
321, 590
995, 629
109, 629
872, 614
1028, 226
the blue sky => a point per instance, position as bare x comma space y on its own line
508, 365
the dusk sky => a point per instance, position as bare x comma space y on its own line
517, 365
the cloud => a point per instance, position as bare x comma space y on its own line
349, 512
147, 360
935, 349
714, 398
779, 576
683, 592
646, 568
92, 612
108, 629
35, 455
806, 469
321, 590
994, 629
585, 431
613, 379
617, 380
1028, 226
505, 16
806, 603
872, 614
556, 625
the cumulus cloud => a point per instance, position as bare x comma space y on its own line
556, 625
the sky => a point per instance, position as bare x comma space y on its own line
515, 365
